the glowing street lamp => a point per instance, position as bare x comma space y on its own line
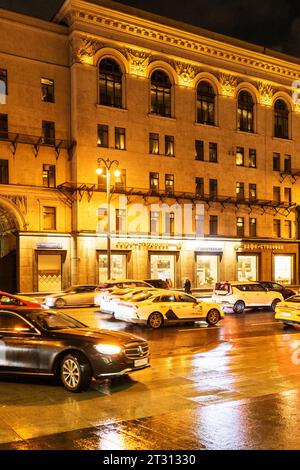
108, 166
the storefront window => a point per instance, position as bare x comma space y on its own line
49, 273
206, 271
118, 267
283, 269
247, 268
163, 267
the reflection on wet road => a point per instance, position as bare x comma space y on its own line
235, 386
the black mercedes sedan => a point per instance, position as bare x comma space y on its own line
43, 342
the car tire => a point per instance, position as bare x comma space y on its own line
213, 317
75, 373
274, 303
239, 307
59, 303
155, 320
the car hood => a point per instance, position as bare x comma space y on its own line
95, 334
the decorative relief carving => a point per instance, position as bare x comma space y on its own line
83, 49
228, 84
266, 92
186, 73
138, 61
19, 201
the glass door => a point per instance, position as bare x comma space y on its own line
49, 273
247, 268
284, 269
207, 271
163, 267
118, 267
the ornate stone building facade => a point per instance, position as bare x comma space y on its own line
205, 129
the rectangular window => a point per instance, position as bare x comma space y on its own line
120, 138
199, 187
213, 152
47, 90
284, 269
154, 222
49, 176
213, 188
49, 218
247, 268
240, 191
287, 163
3, 126
102, 180
4, 172
213, 225
276, 228
288, 228
48, 132
3, 84
252, 227
169, 183
154, 143
276, 161
169, 223
169, 146
276, 193
199, 147
207, 270
252, 158
154, 182
252, 192
120, 181
239, 157
120, 221
240, 227
102, 135
199, 225
287, 194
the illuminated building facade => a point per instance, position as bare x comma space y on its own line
206, 131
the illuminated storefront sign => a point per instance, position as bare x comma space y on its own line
259, 246
49, 246
148, 246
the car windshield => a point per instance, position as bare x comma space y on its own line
295, 298
54, 321
70, 289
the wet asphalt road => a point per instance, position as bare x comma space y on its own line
234, 386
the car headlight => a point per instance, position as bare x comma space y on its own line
109, 349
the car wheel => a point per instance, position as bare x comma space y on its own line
155, 320
274, 303
239, 307
213, 316
75, 373
59, 303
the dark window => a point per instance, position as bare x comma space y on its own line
288, 228
169, 183
169, 223
276, 161
213, 188
245, 112
287, 194
49, 176
3, 126
110, 83
154, 143
160, 93
281, 120
3, 83
48, 132
213, 152
199, 146
102, 135
154, 181
240, 227
276, 193
252, 158
169, 145
199, 186
239, 156
4, 172
154, 222
186, 298
213, 225
47, 90
240, 191
120, 220
168, 298
49, 218
287, 163
120, 138
252, 192
120, 181
13, 323
205, 104
252, 227
276, 228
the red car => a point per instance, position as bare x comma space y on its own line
17, 301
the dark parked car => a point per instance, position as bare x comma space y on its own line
47, 343
274, 286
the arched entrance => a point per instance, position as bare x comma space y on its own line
11, 222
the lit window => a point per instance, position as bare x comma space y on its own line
102, 135
252, 227
154, 181
120, 138
169, 184
240, 191
245, 112
47, 90
240, 225
49, 176
205, 103
252, 158
154, 222
239, 156
169, 146
110, 83
154, 143
160, 93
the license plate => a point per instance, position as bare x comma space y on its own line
285, 314
140, 362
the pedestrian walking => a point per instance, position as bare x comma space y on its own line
187, 286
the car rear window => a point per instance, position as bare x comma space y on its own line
223, 286
295, 298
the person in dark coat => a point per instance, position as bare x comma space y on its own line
187, 286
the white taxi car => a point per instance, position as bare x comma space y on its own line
238, 295
111, 300
109, 286
158, 309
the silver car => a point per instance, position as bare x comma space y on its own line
75, 295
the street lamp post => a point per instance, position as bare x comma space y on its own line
108, 164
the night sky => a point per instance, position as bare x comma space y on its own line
272, 23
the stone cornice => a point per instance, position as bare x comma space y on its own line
76, 12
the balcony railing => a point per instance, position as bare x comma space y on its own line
292, 173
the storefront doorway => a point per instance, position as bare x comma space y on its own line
247, 268
118, 266
207, 271
162, 267
49, 272
284, 269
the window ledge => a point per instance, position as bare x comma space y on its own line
159, 116
238, 131
114, 108
282, 139
207, 126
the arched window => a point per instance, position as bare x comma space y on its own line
281, 119
205, 104
110, 83
245, 112
160, 93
